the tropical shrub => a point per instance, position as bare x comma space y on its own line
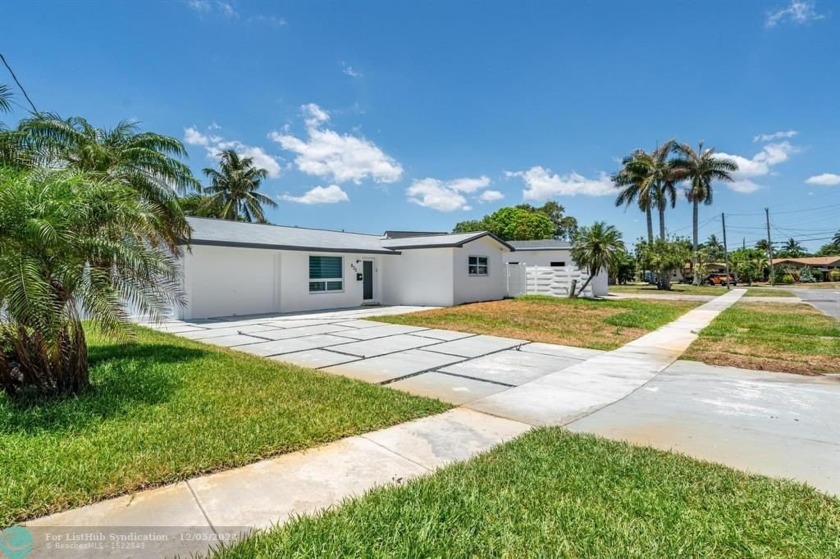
834, 275
788, 279
663, 258
595, 248
73, 246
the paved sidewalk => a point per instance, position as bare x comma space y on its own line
562, 397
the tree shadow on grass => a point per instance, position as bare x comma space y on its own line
125, 377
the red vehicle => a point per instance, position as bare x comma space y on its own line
720, 279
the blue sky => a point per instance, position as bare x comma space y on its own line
395, 115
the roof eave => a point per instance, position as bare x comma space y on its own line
232, 244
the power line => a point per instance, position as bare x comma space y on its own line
20, 86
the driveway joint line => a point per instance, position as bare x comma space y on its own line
201, 507
500, 383
394, 452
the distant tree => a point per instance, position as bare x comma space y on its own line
663, 257
514, 223
791, 249
714, 248
564, 226
234, 187
201, 205
625, 269
595, 248
836, 241
471, 226
749, 264
828, 249
700, 169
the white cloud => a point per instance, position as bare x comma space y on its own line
319, 195
215, 144
434, 194
272, 21
350, 71
744, 186
469, 185
798, 12
759, 165
787, 134
825, 179
195, 138
200, 5
448, 196
339, 157
490, 196
540, 184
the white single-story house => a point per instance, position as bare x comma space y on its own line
553, 254
234, 268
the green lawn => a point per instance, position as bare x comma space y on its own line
555, 494
593, 323
163, 409
676, 289
791, 338
767, 292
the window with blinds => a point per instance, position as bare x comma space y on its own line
326, 274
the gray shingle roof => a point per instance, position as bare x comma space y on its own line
232, 233
544, 244
221, 232
439, 241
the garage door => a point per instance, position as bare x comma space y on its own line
232, 281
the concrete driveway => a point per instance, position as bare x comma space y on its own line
774, 424
453, 366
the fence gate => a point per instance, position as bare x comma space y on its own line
544, 280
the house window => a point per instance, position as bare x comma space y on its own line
559, 264
478, 265
326, 274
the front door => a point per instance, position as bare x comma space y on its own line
367, 280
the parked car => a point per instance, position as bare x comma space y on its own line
720, 279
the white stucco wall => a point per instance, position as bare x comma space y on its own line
230, 281
418, 277
225, 281
294, 282
493, 286
546, 257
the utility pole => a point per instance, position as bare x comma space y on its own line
725, 251
769, 248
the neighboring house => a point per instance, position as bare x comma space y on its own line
235, 268
820, 265
554, 254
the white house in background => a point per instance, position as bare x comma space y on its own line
553, 254
237, 268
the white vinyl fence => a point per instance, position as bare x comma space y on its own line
543, 280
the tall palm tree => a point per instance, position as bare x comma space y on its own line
5, 99
57, 226
234, 188
700, 169
146, 162
836, 240
649, 178
762, 245
634, 188
596, 248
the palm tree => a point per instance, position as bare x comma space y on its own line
836, 240
634, 188
57, 227
701, 168
792, 249
5, 99
144, 161
714, 248
762, 245
595, 248
234, 187
650, 179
